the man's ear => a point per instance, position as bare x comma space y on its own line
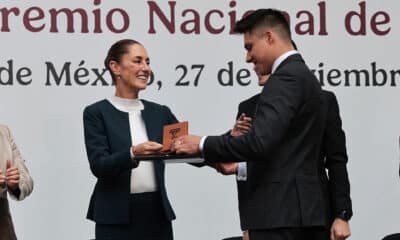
269, 37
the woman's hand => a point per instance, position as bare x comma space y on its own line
147, 148
12, 176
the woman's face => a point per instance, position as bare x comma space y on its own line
133, 70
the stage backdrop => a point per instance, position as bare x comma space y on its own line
51, 67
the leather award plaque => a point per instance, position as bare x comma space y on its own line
172, 132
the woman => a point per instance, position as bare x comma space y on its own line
129, 200
14, 179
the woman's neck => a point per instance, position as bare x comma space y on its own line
124, 93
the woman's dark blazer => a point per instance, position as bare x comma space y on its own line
108, 142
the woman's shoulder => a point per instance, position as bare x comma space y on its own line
98, 106
5, 131
3, 128
150, 104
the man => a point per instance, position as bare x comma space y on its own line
333, 158
286, 134
14, 179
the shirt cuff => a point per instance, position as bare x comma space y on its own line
134, 162
242, 172
15, 194
131, 152
201, 144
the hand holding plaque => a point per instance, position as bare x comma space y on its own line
172, 132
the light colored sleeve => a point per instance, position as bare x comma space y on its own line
25, 180
242, 172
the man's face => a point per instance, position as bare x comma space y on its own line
259, 50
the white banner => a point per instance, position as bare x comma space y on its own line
51, 67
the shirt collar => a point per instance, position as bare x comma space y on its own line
282, 58
126, 104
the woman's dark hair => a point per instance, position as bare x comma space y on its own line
116, 51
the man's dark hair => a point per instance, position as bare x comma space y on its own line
271, 18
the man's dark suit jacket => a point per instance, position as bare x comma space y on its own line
108, 142
286, 135
334, 158
336, 187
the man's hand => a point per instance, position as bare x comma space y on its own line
188, 144
12, 176
340, 229
226, 168
147, 148
242, 125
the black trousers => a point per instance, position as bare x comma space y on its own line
148, 221
303, 233
6, 225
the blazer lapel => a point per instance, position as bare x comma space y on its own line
120, 125
122, 121
150, 117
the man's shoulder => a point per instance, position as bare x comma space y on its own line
328, 96
292, 61
250, 101
328, 93
294, 68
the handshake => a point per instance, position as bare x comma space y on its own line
189, 144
